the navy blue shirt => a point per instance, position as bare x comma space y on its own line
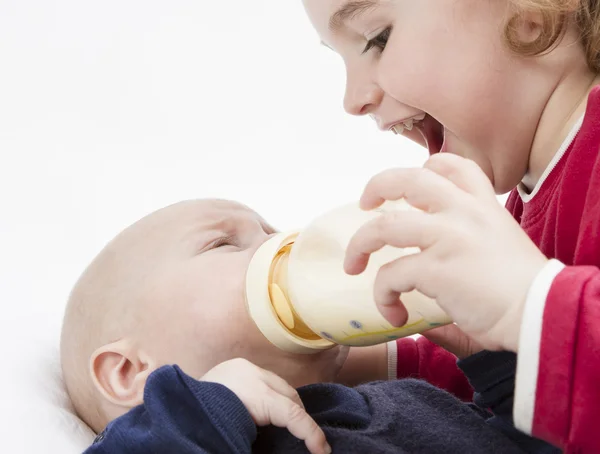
185, 416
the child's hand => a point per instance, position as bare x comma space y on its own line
475, 260
270, 400
452, 338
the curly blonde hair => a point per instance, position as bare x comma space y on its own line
556, 15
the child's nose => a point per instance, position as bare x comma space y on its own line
363, 99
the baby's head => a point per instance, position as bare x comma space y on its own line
170, 290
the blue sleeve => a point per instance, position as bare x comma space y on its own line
492, 376
180, 415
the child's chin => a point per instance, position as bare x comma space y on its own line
415, 136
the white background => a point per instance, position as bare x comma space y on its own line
112, 109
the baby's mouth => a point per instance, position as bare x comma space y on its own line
424, 130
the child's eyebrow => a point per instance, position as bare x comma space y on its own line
349, 11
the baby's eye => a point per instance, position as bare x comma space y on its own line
223, 242
379, 42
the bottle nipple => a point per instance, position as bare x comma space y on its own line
282, 306
278, 291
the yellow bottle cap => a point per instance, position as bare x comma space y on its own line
269, 306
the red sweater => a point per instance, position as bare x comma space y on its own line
423, 359
558, 373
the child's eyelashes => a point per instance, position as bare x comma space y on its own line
378, 42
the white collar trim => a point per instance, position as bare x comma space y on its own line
525, 196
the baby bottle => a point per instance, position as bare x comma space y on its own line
302, 301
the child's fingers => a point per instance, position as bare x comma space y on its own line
464, 173
395, 314
401, 229
394, 278
422, 188
284, 412
453, 339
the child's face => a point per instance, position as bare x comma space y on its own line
198, 292
444, 58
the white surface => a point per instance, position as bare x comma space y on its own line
36, 414
109, 110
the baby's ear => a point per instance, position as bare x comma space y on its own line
119, 372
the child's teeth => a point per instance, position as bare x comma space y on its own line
398, 129
408, 124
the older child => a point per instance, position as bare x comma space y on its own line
510, 86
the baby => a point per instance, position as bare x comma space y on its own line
169, 290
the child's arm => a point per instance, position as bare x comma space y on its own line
423, 359
406, 358
365, 364
218, 414
558, 372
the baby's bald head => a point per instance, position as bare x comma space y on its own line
169, 290
109, 302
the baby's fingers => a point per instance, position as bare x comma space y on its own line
279, 385
288, 411
284, 412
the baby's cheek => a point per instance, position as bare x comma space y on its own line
238, 337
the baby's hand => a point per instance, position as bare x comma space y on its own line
270, 400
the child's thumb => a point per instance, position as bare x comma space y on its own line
453, 339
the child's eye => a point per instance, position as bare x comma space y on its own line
379, 42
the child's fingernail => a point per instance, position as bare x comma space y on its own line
327, 449
365, 204
347, 262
